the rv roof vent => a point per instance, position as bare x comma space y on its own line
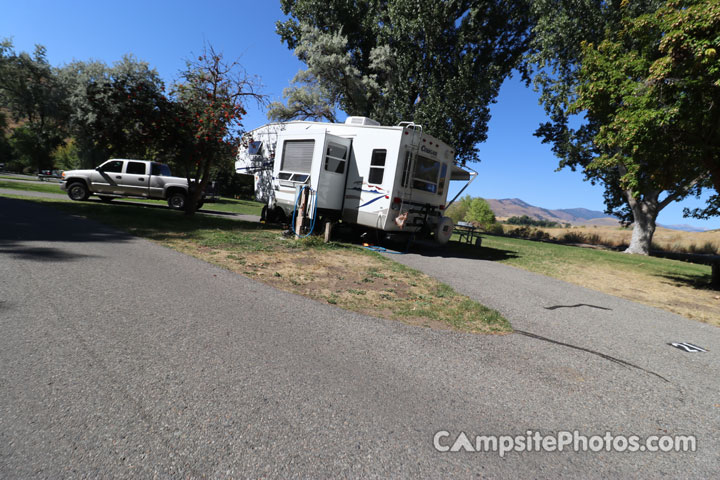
361, 121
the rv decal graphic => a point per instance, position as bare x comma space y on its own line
373, 200
368, 191
427, 150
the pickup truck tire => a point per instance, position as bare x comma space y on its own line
199, 205
176, 200
78, 191
106, 199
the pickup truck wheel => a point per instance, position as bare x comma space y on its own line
106, 199
78, 191
199, 205
176, 200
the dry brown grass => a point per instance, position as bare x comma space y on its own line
664, 238
357, 281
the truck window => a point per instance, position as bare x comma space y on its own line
113, 167
135, 168
377, 166
160, 170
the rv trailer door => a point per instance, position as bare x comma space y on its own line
333, 171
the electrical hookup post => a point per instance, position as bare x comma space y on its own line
301, 216
305, 211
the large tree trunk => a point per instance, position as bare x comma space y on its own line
645, 212
642, 235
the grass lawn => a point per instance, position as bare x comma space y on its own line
679, 287
32, 186
338, 274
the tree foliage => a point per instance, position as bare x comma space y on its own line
604, 60
653, 90
116, 111
437, 63
209, 102
532, 222
472, 210
480, 212
32, 94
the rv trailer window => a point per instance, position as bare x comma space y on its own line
254, 148
426, 174
443, 176
297, 156
335, 158
406, 170
377, 166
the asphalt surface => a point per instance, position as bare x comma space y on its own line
122, 358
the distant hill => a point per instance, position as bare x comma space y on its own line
514, 207
684, 228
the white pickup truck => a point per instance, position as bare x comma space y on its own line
127, 178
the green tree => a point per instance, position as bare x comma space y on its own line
479, 211
6, 151
305, 99
67, 156
209, 102
459, 209
117, 111
437, 63
31, 92
598, 59
652, 90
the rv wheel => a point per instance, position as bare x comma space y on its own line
275, 215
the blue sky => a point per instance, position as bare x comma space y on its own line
513, 162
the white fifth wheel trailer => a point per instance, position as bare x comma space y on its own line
389, 178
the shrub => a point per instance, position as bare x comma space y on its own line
495, 229
573, 237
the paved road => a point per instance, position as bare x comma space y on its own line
172, 367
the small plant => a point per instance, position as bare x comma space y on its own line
373, 272
443, 291
356, 292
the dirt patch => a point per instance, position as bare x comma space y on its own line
355, 280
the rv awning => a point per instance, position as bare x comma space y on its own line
457, 173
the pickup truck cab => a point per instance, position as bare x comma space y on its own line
127, 178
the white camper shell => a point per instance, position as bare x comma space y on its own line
393, 179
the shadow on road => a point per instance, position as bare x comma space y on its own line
461, 250
28, 222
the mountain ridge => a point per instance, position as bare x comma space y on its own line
515, 207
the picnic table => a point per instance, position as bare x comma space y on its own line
468, 233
